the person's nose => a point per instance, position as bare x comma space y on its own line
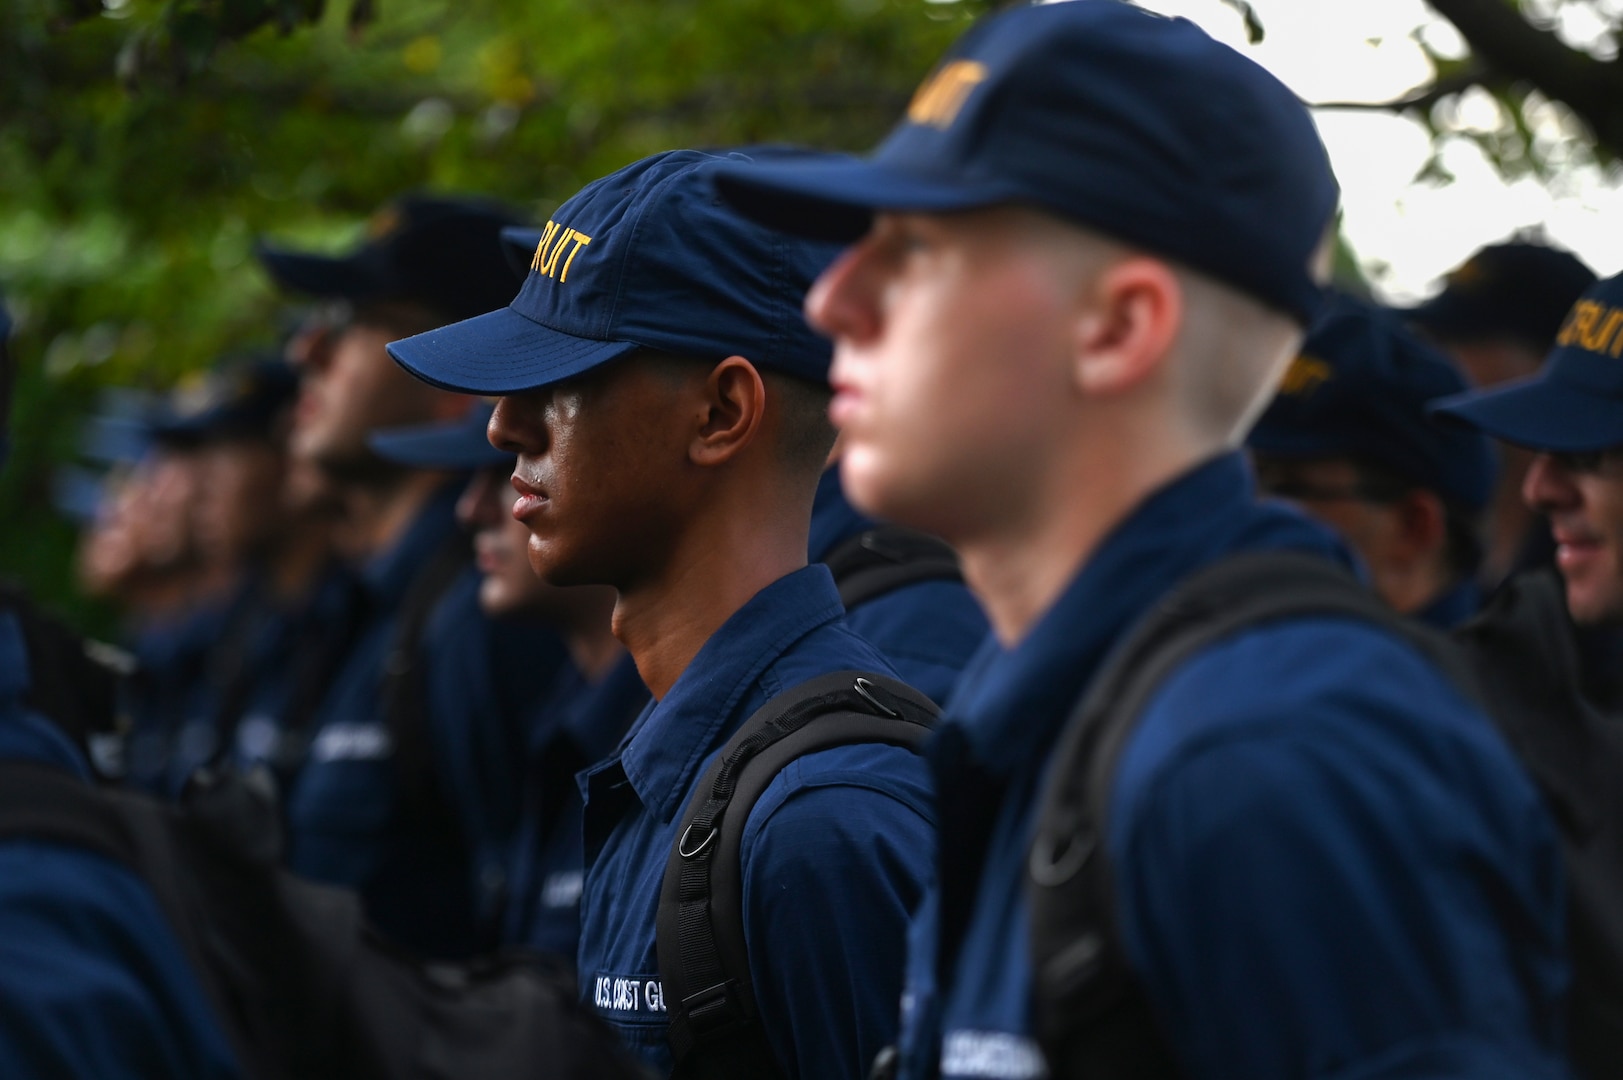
843, 301
1548, 485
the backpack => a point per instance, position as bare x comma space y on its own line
885, 558
1091, 1016
302, 988
715, 1028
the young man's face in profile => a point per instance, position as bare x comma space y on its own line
601, 473
1582, 495
951, 346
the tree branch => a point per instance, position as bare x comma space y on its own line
1475, 74
1516, 49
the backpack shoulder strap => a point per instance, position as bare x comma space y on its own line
41, 803
715, 1028
888, 557
1091, 1016
38, 802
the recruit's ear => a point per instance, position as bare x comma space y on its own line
1127, 324
1422, 525
733, 408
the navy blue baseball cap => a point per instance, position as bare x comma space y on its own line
518, 246
442, 253
243, 397
1575, 403
647, 257
460, 444
1359, 390
1518, 290
1139, 126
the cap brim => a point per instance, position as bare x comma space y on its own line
502, 352
439, 447
1538, 413
835, 201
353, 278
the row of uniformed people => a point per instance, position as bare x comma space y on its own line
405, 698
1040, 359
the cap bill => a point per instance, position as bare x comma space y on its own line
1540, 414
501, 352
314, 275
835, 200
439, 447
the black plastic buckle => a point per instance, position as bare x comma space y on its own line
713, 1008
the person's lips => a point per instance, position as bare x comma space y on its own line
530, 498
844, 406
1576, 546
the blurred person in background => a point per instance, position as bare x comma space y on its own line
93, 983
290, 588
1347, 438
507, 683
1569, 418
1497, 316
367, 808
141, 551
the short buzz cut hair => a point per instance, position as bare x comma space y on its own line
805, 434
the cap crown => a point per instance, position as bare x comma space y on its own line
1140, 126
1517, 290
650, 255
1360, 389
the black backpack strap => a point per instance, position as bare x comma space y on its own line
1091, 1015
888, 557
715, 1028
41, 803
38, 802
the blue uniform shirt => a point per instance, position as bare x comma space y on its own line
577, 728
834, 855
1452, 606
928, 630
287, 643
1393, 909
486, 677
93, 983
347, 822
168, 687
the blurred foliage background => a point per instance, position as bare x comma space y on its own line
145, 144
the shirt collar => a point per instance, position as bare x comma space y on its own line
388, 574
833, 517
1011, 703
702, 709
599, 712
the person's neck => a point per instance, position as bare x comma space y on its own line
377, 514
1019, 565
719, 564
1410, 588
